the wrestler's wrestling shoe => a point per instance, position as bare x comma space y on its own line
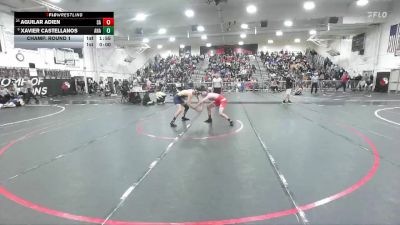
208, 121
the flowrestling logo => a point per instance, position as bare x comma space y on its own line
37, 83
378, 14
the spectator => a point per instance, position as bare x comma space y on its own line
299, 90
370, 85
343, 81
29, 94
274, 85
314, 82
117, 87
146, 100
160, 97
4, 95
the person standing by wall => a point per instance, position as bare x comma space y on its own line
217, 84
370, 85
314, 82
29, 89
343, 81
117, 87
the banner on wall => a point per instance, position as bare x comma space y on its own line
393, 38
45, 87
397, 52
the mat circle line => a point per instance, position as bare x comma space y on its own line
383, 118
45, 210
36, 118
140, 130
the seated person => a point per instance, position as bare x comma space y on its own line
134, 97
160, 97
13, 90
14, 102
274, 85
361, 85
299, 91
125, 93
146, 99
4, 95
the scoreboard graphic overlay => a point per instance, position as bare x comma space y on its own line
63, 29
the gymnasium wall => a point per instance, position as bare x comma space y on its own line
375, 57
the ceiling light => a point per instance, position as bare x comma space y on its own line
200, 28
189, 13
243, 35
297, 40
288, 23
251, 9
172, 39
270, 41
182, 46
203, 37
208, 45
244, 26
240, 43
140, 17
309, 5
362, 2
145, 40
313, 32
159, 46
279, 33
55, 1
162, 31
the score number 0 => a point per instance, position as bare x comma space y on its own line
106, 22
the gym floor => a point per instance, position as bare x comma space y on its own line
327, 159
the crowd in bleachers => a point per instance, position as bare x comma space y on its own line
301, 65
176, 72
308, 69
229, 67
281, 63
172, 69
355, 80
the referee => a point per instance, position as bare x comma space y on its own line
217, 84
